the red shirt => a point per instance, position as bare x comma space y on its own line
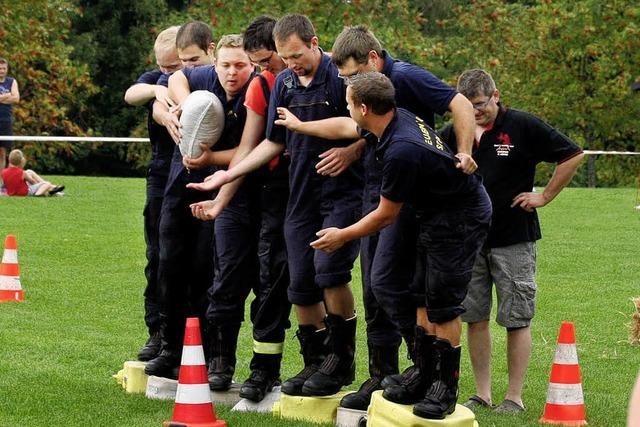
254, 99
256, 102
14, 182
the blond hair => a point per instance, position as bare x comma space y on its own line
230, 40
166, 40
16, 158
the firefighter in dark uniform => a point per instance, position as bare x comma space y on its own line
270, 308
310, 87
145, 91
186, 267
453, 213
387, 258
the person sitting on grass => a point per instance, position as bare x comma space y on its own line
20, 182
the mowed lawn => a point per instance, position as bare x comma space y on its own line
82, 260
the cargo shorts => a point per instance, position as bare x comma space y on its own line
512, 269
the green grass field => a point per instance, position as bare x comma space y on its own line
82, 259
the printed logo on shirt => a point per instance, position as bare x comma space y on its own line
427, 135
504, 148
288, 82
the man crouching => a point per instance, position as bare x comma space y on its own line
453, 212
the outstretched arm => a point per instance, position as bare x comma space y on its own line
210, 209
141, 93
336, 160
562, 175
331, 128
261, 155
333, 238
464, 124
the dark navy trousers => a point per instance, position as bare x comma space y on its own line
251, 255
185, 268
151, 213
448, 243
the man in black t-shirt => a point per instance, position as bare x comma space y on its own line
453, 213
509, 145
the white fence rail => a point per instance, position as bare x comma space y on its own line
110, 139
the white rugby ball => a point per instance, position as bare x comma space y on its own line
202, 121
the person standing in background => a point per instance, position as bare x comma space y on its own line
9, 95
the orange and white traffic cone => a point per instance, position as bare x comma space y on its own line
193, 407
10, 287
565, 402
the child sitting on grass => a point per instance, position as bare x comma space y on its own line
20, 182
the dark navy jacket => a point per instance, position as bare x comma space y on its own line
323, 98
418, 168
205, 78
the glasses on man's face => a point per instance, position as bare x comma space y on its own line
263, 63
481, 105
347, 77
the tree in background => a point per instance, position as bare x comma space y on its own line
398, 31
54, 89
571, 63
115, 39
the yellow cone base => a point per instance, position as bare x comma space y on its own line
132, 377
383, 413
317, 409
350, 417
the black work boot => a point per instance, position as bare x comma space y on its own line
166, 364
313, 354
151, 348
417, 379
395, 379
383, 361
440, 400
339, 367
222, 359
265, 374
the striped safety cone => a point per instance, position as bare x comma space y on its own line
193, 407
10, 287
565, 402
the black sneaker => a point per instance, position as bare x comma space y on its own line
56, 189
258, 384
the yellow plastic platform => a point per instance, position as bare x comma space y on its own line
317, 409
383, 413
132, 377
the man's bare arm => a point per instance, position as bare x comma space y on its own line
562, 175
331, 128
333, 238
464, 125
